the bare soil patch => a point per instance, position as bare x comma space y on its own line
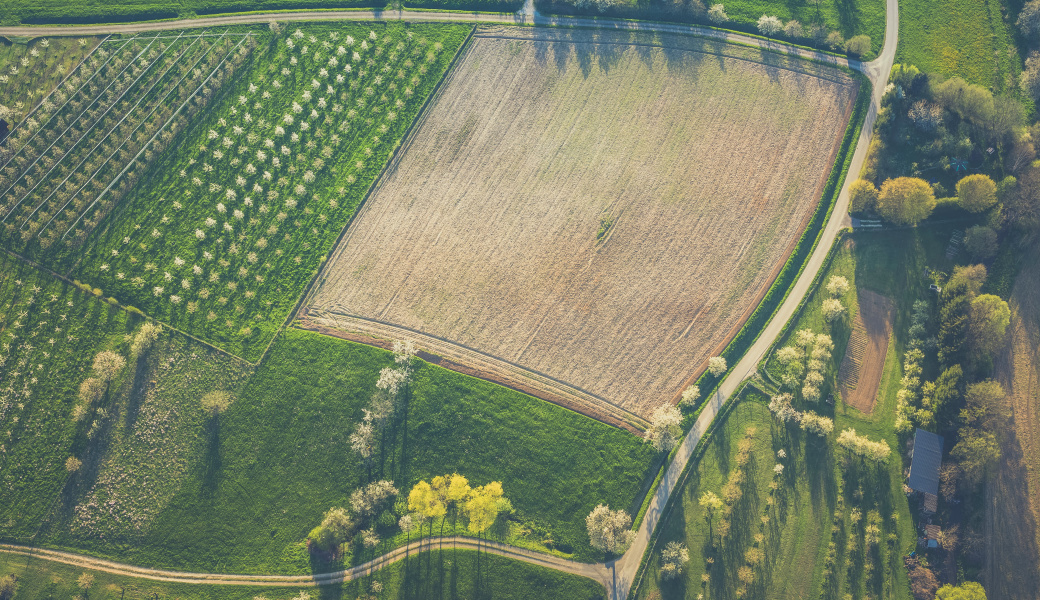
1013, 497
860, 372
593, 212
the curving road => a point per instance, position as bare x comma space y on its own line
619, 575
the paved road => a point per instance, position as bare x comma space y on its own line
878, 71
617, 576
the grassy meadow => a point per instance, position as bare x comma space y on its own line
49, 334
434, 575
962, 38
239, 493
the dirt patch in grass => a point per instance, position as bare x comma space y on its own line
590, 211
1013, 503
864, 361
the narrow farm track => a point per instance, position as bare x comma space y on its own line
617, 576
596, 572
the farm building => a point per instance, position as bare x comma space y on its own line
925, 461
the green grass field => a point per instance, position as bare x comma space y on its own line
435, 575
963, 38
49, 334
850, 17
240, 494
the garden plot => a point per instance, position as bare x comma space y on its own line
864, 360
224, 233
594, 213
68, 163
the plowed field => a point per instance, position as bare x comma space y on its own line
597, 213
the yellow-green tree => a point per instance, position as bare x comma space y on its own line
976, 193
863, 196
905, 200
426, 501
990, 316
484, 505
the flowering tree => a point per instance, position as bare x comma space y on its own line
717, 14
609, 530
107, 365
717, 365
769, 25
710, 502
674, 557
833, 310
366, 501
664, 431
837, 286
335, 529
690, 396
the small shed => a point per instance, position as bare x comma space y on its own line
931, 536
925, 461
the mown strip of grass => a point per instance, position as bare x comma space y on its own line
431, 575
259, 478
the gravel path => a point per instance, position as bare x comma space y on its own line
617, 576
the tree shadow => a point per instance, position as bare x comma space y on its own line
848, 16
212, 461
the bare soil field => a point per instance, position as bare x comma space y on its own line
595, 212
864, 360
1013, 497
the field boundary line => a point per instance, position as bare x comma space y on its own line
315, 282
125, 308
468, 361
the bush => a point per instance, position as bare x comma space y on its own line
863, 196
976, 193
858, 45
981, 242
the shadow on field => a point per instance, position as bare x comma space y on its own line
848, 15
212, 460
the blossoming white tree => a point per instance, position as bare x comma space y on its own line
610, 531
